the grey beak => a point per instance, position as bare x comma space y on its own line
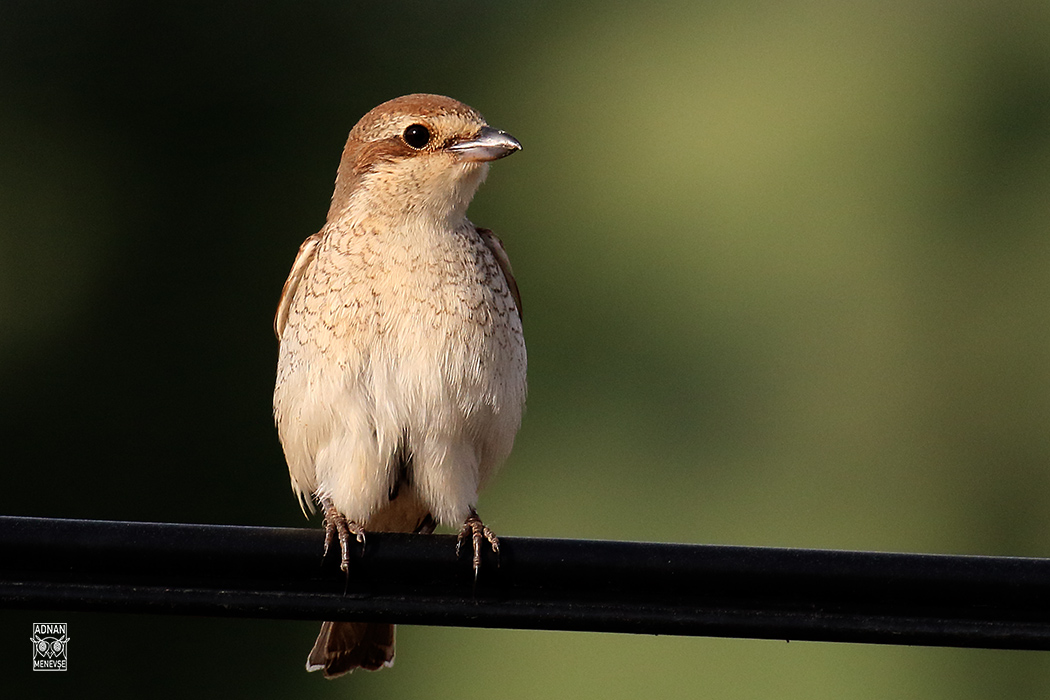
489, 144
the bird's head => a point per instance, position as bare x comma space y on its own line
417, 155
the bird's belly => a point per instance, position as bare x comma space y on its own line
445, 386
439, 370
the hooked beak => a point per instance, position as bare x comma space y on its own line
489, 144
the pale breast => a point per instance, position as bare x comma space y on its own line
423, 321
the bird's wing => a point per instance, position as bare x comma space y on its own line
496, 246
302, 259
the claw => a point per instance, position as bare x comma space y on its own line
476, 531
335, 525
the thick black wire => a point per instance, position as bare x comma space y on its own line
647, 588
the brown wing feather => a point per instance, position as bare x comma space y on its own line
306, 253
495, 245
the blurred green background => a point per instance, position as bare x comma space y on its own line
786, 269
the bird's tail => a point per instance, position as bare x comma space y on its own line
343, 646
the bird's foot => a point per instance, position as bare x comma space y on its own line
476, 531
336, 525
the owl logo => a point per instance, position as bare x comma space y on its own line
50, 646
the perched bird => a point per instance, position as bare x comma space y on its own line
401, 372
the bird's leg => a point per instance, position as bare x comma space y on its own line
476, 531
337, 525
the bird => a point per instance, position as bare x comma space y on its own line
401, 373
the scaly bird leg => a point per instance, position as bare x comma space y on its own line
337, 525
476, 531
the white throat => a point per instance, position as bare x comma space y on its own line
417, 193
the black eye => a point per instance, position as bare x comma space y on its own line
416, 136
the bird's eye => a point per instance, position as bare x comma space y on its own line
417, 136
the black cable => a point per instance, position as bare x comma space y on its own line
602, 586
